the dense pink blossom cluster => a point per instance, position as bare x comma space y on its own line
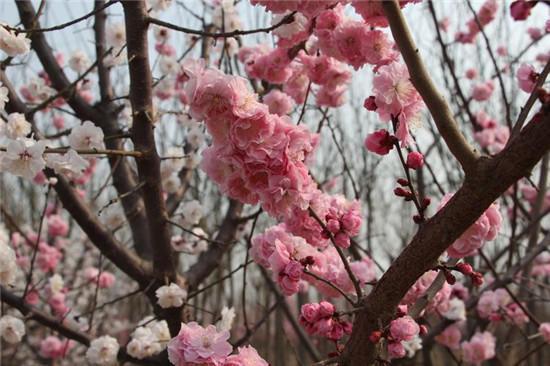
320, 319
197, 345
485, 228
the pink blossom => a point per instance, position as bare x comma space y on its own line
480, 348
197, 345
527, 77
535, 33
52, 347
277, 6
247, 356
348, 40
521, 9
471, 74
491, 302
48, 257
396, 350
439, 302
544, 330
404, 328
106, 279
450, 337
483, 91
57, 226
415, 160
318, 319
278, 102
57, 303
485, 228
380, 142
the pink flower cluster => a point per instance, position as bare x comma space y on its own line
486, 14
492, 135
286, 255
255, 156
439, 303
480, 348
196, 345
485, 228
483, 91
320, 319
498, 305
372, 12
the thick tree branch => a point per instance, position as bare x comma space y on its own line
436, 103
141, 98
484, 183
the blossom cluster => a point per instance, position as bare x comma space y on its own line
197, 345
321, 319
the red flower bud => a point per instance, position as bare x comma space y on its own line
375, 336
370, 104
400, 192
464, 268
403, 182
449, 277
477, 279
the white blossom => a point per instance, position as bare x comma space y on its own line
116, 36
103, 351
23, 157
168, 65
172, 183
13, 44
191, 213
12, 329
3, 96
226, 322
70, 164
146, 342
171, 296
17, 126
56, 283
79, 61
86, 136
8, 268
412, 346
456, 311
36, 90
162, 34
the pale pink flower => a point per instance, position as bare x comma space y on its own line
404, 328
278, 102
57, 226
247, 356
527, 77
450, 337
480, 348
544, 330
197, 345
53, 347
483, 91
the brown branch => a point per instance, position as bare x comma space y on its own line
286, 20
141, 98
484, 183
436, 103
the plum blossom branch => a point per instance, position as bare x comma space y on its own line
436, 103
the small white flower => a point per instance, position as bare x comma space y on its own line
171, 296
168, 65
226, 322
79, 61
456, 311
56, 283
37, 91
12, 329
3, 96
23, 157
12, 44
70, 164
191, 213
412, 346
103, 351
116, 36
145, 342
161, 34
113, 217
86, 136
172, 183
17, 126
